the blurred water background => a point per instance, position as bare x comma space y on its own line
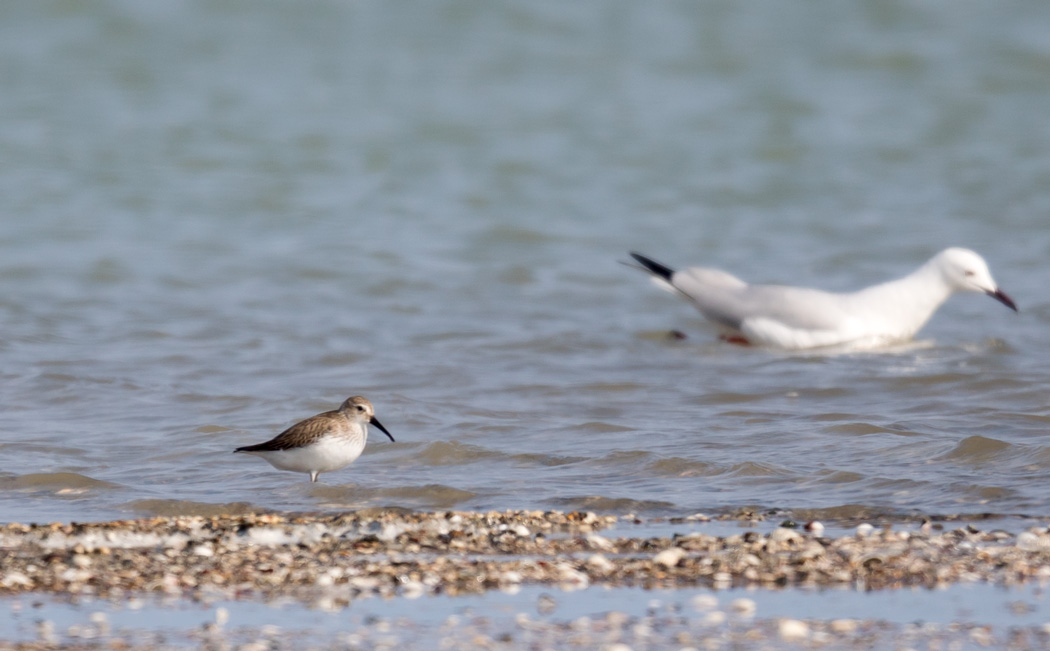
218, 217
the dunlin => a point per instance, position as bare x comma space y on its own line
321, 443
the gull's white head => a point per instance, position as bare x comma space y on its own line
965, 270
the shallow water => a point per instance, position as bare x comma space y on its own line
218, 218
969, 616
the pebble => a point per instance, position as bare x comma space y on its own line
599, 542
600, 564
743, 606
546, 604
1032, 542
704, 602
713, 619
571, 578
793, 630
15, 580
669, 558
784, 535
982, 636
843, 626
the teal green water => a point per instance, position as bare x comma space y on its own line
218, 218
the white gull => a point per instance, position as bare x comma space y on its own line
796, 318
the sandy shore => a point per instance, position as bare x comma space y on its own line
335, 560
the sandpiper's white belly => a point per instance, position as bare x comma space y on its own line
323, 455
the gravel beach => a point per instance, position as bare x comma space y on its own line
332, 561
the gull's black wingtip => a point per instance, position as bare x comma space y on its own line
653, 266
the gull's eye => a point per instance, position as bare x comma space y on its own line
968, 273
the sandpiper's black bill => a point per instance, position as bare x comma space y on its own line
1001, 296
383, 429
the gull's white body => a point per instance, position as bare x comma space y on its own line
798, 318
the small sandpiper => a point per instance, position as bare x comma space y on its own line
321, 443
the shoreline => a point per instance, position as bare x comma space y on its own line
392, 552
523, 574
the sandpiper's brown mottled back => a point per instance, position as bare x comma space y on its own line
321, 443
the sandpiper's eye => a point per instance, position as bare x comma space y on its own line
361, 408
